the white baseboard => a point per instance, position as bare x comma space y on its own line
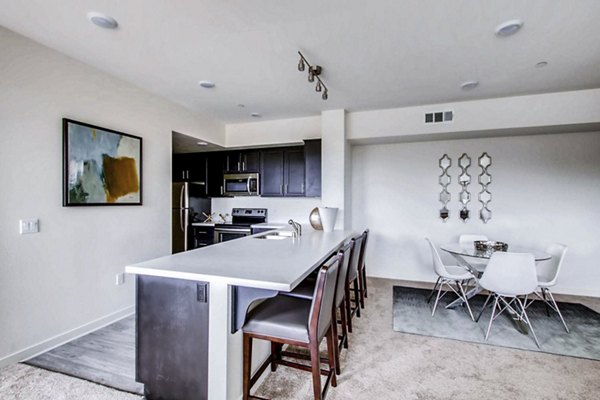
65, 337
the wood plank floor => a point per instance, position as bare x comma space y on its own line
106, 356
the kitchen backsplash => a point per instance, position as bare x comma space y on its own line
280, 209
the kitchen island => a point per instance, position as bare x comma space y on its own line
190, 306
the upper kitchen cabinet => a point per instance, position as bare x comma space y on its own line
189, 167
312, 170
271, 173
243, 161
282, 172
294, 173
215, 166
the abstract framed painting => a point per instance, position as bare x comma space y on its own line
101, 167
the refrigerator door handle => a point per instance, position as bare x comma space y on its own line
181, 226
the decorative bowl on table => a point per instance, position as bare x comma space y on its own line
487, 245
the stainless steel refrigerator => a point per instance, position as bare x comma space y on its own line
187, 204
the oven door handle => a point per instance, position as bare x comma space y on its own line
232, 230
248, 186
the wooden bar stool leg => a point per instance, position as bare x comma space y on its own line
247, 365
356, 296
348, 308
344, 324
334, 334
333, 363
315, 362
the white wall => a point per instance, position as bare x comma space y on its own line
276, 132
64, 277
545, 189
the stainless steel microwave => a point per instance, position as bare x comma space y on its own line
244, 184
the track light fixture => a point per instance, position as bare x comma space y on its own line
313, 73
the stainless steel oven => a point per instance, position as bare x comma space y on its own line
224, 233
241, 221
245, 184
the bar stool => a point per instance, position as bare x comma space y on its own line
353, 282
362, 268
295, 321
306, 291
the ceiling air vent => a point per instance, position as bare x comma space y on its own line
439, 116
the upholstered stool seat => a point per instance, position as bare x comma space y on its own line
281, 316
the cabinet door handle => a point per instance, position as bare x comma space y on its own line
182, 174
280, 189
221, 190
239, 168
187, 174
243, 165
303, 188
286, 188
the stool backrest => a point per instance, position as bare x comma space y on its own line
510, 274
466, 240
363, 249
355, 258
548, 270
344, 255
319, 318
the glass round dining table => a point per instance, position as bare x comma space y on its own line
474, 261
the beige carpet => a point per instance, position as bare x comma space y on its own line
381, 364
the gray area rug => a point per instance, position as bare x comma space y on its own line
106, 356
412, 314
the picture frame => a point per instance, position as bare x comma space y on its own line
101, 167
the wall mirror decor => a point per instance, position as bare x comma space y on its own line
445, 163
485, 179
464, 179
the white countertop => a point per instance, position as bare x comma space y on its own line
250, 262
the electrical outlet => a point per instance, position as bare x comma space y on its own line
120, 278
31, 225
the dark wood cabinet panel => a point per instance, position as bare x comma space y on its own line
294, 173
215, 166
243, 161
189, 167
312, 163
271, 172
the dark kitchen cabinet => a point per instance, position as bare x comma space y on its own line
189, 167
294, 173
312, 168
243, 161
215, 166
282, 172
271, 173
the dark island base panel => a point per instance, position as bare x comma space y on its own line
172, 338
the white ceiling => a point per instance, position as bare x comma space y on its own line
375, 54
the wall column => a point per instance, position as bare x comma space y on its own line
336, 163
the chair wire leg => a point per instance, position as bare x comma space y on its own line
437, 298
464, 297
484, 306
433, 290
557, 309
545, 301
528, 323
487, 333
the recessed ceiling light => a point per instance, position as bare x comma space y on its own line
509, 27
202, 144
103, 21
541, 64
207, 84
241, 105
255, 115
468, 85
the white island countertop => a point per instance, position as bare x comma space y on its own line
251, 262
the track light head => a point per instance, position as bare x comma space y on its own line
311, 75
318, 88
301, 65
324, 96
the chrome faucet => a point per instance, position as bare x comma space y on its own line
297, 228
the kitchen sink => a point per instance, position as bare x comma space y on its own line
277, 235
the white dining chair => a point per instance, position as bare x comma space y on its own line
507, 276
466, 241
448, 275
547, 273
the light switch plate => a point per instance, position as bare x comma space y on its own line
31, 225
120, 278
